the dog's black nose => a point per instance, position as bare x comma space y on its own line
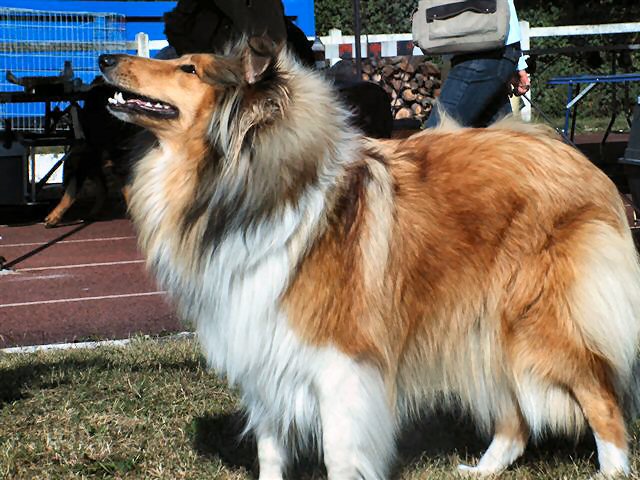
107, 61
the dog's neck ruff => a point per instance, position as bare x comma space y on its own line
231, 288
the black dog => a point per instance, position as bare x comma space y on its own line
108, 144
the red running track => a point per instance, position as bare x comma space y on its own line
78, 282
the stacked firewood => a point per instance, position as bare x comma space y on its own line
413, 83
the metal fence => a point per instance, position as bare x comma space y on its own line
37, 43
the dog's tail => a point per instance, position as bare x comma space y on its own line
606, 298
606, 306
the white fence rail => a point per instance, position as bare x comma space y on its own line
389, 42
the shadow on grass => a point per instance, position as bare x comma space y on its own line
438, 436
221, 436
17, 382
444, 434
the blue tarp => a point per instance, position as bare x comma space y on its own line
302, 9
39, 43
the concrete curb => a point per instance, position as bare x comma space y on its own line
87, 345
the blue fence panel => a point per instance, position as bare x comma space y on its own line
128, 9
38, 43
301, 9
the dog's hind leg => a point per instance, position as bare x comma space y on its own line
599, 403
358, 426
126, 194
101, 195
605, 309
508, 443
573, 351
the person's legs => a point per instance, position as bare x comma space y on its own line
475, 91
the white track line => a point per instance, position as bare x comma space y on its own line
79, 265
81, 299
36, 244
104, 343
31, 278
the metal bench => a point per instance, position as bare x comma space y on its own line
575, 95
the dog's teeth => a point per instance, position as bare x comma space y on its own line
159, 105
112, 101
148, 104
119, 98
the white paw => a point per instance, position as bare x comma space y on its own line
469, 471
610, 475
271, 476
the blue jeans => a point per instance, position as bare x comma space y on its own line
476, 91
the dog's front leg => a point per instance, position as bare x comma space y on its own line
272, 456
358, 426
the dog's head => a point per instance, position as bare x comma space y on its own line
171, 97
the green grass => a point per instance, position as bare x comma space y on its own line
152, 410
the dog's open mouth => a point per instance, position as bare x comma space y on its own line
129, 102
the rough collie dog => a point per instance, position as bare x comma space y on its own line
345, 284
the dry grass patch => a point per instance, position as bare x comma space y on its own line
152, 410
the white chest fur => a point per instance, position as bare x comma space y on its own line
231, 292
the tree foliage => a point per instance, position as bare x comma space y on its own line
388, 16
378, 16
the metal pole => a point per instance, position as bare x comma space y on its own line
525, 44
33, 173
356, 31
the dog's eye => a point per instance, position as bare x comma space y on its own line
188, 68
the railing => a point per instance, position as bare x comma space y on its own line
337, 46
528, 33
389, 43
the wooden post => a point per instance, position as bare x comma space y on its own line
142, 45
356, 40
332, 48
32, 179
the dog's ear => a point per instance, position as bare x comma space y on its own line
260, 54
219, 70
